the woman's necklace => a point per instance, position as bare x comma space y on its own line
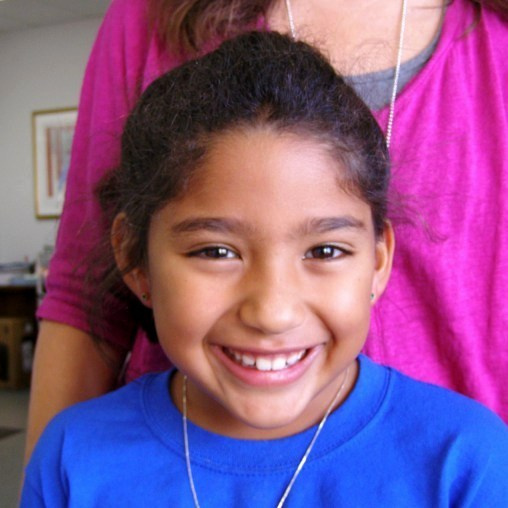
391, 113
298, 468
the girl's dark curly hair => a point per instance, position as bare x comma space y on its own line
259, 79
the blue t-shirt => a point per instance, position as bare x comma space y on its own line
394, 442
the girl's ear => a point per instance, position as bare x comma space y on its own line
136, 278
385, 247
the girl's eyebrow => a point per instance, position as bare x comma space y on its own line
213, 224
326, 224
223, 225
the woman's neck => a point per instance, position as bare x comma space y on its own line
361, 36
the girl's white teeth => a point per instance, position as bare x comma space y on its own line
278, 363
247, 360
265, 363
294, 357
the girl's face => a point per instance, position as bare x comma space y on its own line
260, 278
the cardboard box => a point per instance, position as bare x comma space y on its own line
16, 351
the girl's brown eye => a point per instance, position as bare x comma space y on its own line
214, 253
324, 252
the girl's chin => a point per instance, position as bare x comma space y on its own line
246, 403
263, 414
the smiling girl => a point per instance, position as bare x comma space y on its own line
249, 224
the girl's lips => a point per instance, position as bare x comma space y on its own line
266, 369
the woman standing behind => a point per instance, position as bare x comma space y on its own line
448, 143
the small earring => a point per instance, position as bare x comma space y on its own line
372, 296
144, 297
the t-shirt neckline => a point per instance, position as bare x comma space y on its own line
226, 454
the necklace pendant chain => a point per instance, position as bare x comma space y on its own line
402, 30
391, 113
298, 469
291, 19
186, 444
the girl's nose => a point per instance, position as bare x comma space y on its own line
272, 304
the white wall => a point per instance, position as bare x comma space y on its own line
40, 68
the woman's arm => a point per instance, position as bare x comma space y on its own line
68, 365
111, 85
68, 368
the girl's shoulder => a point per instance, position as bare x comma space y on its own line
113, 411
438, 413
84, 443
441, 435
428, 416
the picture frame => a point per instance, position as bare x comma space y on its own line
52, 135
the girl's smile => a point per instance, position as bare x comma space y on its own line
261, 278
266, 368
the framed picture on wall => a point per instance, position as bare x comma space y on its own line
52, 134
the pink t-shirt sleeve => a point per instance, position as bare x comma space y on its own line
114, 79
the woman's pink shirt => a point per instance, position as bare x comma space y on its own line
444, 318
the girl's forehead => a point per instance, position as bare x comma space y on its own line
266, 156
260, 176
